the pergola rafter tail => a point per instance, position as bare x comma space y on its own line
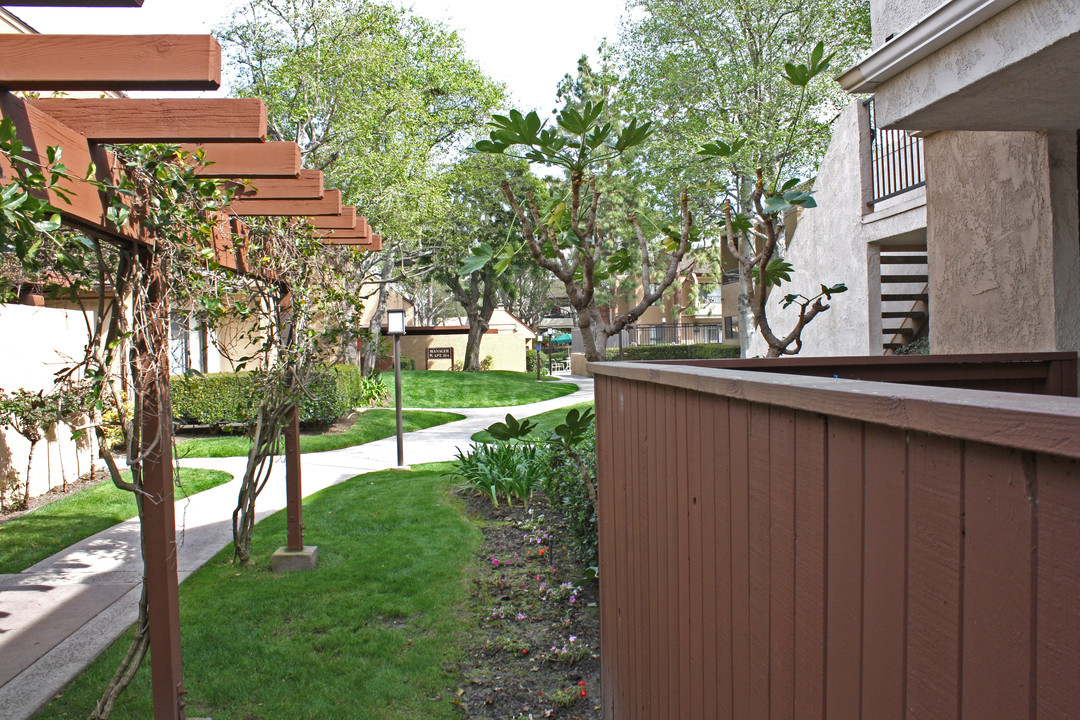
109, 62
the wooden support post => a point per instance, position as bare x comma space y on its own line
294, 556
293, 492
159, 520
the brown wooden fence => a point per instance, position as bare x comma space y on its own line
781, 546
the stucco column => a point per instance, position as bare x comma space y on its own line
1004, 259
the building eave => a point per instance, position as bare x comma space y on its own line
944, 24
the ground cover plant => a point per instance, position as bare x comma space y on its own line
39, 533
533, 646
369, 425
373, 632
545, 423
445, 388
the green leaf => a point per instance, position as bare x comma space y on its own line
776, 272
480, 256
512, 429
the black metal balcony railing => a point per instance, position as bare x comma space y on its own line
896, 161
675, 334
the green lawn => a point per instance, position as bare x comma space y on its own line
370, 425
448, 389
367, 634
49, 529
545, 422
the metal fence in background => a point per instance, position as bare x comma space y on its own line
896, 160
675, 334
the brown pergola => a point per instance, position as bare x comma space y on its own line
232, 132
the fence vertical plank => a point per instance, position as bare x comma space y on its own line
845, 536
610, 408
935, 561
633, 569
782, 581
710, 550
1058, 585
677, 433
693, 447
885, 574
998, 620
725, 642
740, 559
672, 611
759, 530
656, 681
811, 526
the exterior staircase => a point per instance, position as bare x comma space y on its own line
905, 311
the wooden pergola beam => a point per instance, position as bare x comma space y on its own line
39, 131
345, 221
124, 120
309, 185
109, 62
329, 204
372, 243
76, 3
249, 160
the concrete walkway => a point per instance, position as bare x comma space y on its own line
60, 614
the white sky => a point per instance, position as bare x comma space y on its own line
527, 46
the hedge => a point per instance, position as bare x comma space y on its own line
231, 398
699, 351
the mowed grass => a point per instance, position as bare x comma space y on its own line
545, 423
448, 389
36, 535
366, 634
370, 425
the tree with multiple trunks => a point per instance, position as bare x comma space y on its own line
707, 69
564, 231
376, 97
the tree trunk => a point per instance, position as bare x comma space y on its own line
369, 354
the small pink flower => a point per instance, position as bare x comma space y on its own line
521, 616
495, 561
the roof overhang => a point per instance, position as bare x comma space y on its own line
945, 23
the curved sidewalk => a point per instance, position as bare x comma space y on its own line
61, 613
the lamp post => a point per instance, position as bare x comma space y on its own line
395, 326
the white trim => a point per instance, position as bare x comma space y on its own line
940, 27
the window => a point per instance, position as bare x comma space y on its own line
731, 327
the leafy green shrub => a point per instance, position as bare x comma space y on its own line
360, 390
560, 479
215, 399
498, 469
530, 362
487, 363
699, 351
219, 399
407, 363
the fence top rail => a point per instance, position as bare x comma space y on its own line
1036, 423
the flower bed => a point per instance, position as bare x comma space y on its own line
534, 646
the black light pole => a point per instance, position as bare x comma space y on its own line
395, 326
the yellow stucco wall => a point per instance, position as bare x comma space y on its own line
506, 350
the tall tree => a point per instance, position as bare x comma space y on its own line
479, 226
709, 69
377, 97
566, 235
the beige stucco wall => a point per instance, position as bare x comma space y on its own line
507, 350
41, 341
892, 17
837, 242
1003, 242
1014, 71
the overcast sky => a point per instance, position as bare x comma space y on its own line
530, 51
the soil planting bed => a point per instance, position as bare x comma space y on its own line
533, 649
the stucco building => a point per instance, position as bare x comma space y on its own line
987, 88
